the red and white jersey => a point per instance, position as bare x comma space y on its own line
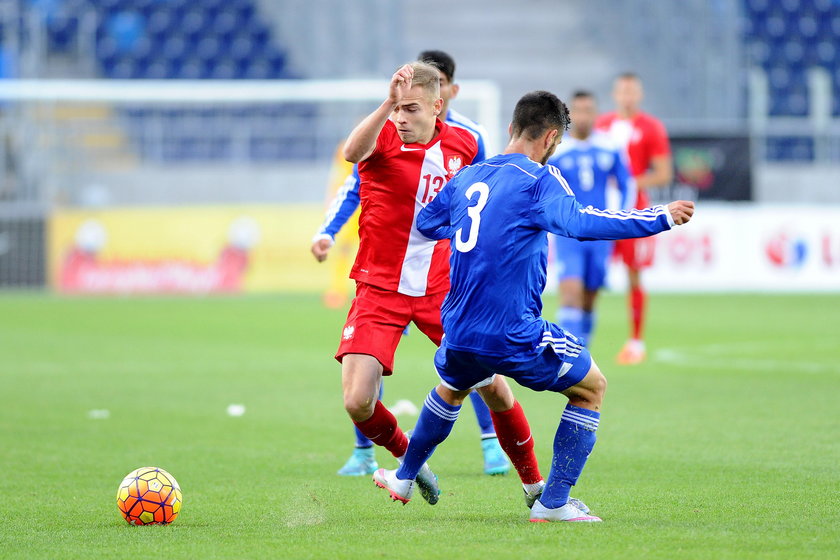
396, 181
643, 136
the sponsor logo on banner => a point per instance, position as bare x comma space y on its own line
84, 268
787, 251
189, 250
771, 248
831, 249
685, 249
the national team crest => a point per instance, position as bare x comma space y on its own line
348, 332
453, 164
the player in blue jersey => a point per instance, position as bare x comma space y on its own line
363, 461
496, 214
588, 161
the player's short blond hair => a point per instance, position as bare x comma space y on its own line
427, 77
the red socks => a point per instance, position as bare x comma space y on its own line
515, 438
382, 429
637, 311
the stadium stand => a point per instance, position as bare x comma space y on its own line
169, 39
786, 38
182, 39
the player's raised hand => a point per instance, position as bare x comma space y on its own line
400, 83
681, 211
321, 249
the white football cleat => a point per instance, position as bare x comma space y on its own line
569, 513
400, 490
533, 496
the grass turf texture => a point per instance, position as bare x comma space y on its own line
723, 445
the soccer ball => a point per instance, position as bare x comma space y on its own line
149, 496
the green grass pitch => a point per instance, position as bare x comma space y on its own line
725, 444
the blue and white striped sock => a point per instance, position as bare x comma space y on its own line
573, 443
433, 426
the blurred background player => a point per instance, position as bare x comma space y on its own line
344, 206
649, 152
588, 160
339, 233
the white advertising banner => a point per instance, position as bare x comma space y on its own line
746, 247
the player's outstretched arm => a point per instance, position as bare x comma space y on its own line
362, 141
565, 216
681, 211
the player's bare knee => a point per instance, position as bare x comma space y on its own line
589, 393
359, 406
454, 398
599, 386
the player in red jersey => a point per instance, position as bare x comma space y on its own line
405, 156
649, 152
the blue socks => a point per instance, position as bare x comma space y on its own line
361, 439
573, 443
482, 414
433, 426
587, 325
578, 322
571, 319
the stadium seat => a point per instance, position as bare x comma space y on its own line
208, 49
126, 28
159, 24
241, 47
192, 69
776, 27
807, 26
225, 23
193, 23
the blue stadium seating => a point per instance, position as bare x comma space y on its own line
786, 37
189, 39
172, 38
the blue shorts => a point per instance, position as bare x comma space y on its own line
586, 260
558, 363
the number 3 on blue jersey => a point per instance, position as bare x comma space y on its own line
474, 213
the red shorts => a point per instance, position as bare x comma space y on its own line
378, 318
635, 253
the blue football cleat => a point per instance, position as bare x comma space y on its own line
495, 460
361, 463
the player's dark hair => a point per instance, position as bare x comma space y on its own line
538, 112
440, 60
583, 93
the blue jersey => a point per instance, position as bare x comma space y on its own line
587, 165
496, 214
347, 200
